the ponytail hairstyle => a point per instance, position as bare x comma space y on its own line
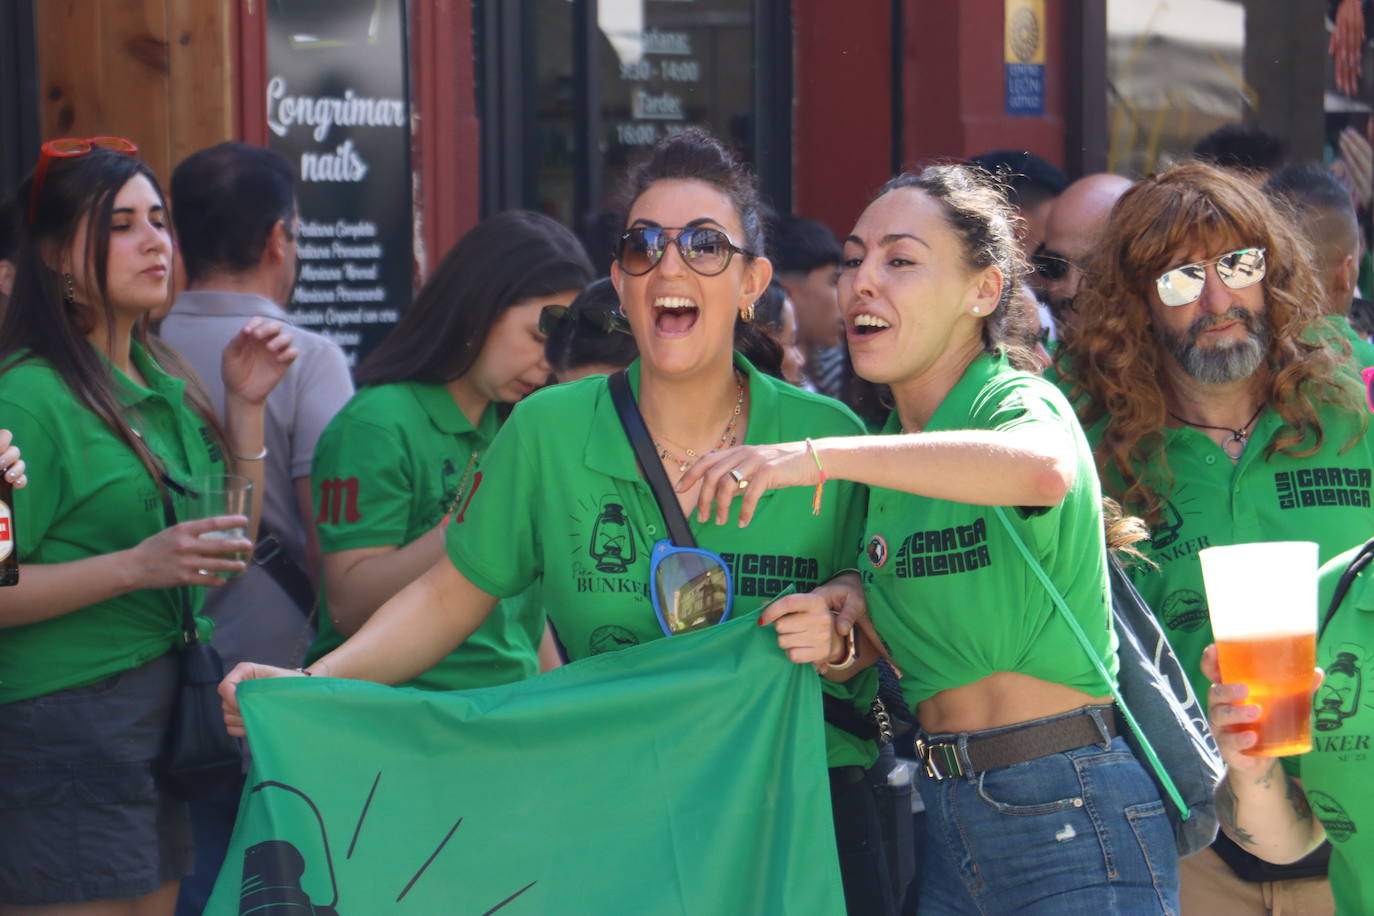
695, 155
40, 321
976, 208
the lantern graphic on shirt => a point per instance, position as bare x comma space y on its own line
1339, 696
613, 543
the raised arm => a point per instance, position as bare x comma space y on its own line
1033, 465
1261, 807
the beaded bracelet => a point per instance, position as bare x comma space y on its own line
820, 487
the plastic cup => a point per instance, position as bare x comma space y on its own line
223, 494
1262, 599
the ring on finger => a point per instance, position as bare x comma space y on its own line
739, 478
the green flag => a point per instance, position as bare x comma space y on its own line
683, 777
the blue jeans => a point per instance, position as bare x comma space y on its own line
1078, 832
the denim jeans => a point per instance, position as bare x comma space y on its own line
1078, 832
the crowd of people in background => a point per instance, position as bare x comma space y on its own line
987, 336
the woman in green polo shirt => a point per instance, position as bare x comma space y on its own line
87, 672
560, 502
1033, 803
404, 451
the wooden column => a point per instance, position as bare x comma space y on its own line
159, 72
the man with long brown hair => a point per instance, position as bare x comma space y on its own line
1216, 414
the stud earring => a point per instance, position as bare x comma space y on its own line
68, 289
977, 310
747, 314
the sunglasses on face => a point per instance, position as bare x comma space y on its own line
69, 148
598, 322
1236, 269
707, 251
1050, 265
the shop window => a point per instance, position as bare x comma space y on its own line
573, 91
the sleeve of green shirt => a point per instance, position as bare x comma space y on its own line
362, 484
1018, 404
492, 538
39, 504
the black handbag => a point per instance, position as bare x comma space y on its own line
199, 755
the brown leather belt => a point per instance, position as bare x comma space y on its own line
944, 759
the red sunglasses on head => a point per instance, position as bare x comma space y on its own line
67, 148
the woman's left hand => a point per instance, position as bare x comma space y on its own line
806, 628
256, 358
748, 471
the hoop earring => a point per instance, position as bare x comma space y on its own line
68, 290
747, 314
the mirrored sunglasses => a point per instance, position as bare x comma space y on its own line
600, 322
1236, 269
691, 588
707, 251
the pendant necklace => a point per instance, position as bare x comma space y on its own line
1234, 447
727, 438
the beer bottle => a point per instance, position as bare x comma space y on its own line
9, 553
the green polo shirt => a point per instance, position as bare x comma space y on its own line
91, 495
387, 468
1361, 350
1335, 773
561, 503
1323, 497
946, 586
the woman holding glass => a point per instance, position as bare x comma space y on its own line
563, 505
87, 669
1034, 803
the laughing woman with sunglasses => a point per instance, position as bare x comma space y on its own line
88, 671
403, 453
562, 503
1034, 803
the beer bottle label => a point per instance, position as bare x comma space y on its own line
6, 531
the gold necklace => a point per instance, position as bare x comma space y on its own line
727, 438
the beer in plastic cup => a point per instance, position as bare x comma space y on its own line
223, 494
1262, 599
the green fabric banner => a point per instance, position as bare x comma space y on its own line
683, 777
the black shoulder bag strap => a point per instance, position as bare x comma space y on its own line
189, 635
1357, 565
638, 434
272, 556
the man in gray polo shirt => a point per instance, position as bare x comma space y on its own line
234, 207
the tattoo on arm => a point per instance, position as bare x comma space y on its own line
1226, 808
1298, 799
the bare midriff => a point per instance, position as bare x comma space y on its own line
1004, 698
